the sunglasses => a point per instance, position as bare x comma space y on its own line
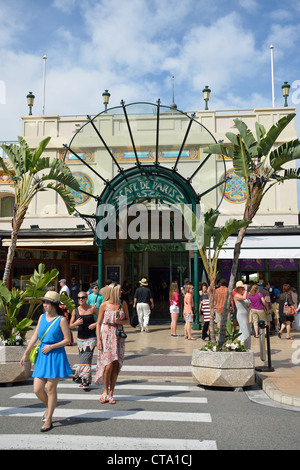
81, 298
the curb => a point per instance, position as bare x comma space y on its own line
274, 393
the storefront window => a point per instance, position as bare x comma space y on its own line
7, 206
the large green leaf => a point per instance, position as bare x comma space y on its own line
195, 224
210, 219
266, 144
231, 226
35, 289
247, 136
68, 302
285, 153
5, 294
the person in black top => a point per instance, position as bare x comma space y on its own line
143, 302
83, 318
75, 288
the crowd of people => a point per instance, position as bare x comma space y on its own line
100, 314
99, 318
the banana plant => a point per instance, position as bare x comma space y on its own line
13, 331
29, 172
210, 245
262, 166
36, 287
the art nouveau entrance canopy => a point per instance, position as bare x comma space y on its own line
144, 152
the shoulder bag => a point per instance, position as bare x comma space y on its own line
288, 310
134, 321
35, 350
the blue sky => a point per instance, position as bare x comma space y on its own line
134, 47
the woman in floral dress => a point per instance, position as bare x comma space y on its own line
111, 346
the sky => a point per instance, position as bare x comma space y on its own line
133, 48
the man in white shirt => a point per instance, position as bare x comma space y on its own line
64, 287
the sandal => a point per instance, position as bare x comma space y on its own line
289, 337
103, 398
46, 428
85, 385
192, 339
111, 401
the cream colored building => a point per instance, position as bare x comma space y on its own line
99, 152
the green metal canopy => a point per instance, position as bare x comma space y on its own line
142, 180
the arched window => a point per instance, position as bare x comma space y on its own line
7, 206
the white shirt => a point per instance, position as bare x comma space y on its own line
66, 290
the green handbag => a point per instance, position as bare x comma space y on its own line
35, 350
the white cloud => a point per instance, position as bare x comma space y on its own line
133, 48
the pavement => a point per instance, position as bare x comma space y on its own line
159, 356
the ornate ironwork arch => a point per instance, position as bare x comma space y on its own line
137, 181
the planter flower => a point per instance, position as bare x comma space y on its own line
232, 343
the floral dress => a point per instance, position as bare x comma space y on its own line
113, 346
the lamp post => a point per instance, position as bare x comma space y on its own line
206, 92
286, 91
30, 100
106, 97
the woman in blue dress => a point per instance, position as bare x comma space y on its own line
52, 362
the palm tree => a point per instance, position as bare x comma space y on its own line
29, 172
210, 242
262, 168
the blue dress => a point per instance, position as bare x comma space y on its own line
55, 364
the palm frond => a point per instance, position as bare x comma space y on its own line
285, 153
61, 173
38, 151
65, 195
270, 138
260, 131
247, 136
231, 226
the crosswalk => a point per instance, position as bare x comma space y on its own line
141, 403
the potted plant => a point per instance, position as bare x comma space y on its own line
214, 365
226, 365
13, 330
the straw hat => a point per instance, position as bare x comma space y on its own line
240, 284
143, 281
52, 297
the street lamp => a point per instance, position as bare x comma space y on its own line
285, 91
30, 100
206, 93
106, 97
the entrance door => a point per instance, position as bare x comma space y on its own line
161, 268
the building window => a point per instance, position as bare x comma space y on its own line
7, 206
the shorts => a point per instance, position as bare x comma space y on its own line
174, 309
258, 315
189, 317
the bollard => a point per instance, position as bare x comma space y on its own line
262, 341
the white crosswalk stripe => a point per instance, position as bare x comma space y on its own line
171, 395
50, 442
147, 398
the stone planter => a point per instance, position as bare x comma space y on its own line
10, 369
223, 369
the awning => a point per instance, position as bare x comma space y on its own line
41, 242
265, 247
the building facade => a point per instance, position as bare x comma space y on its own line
153, 156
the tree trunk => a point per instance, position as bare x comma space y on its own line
10, 257
236, 255
17, 220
